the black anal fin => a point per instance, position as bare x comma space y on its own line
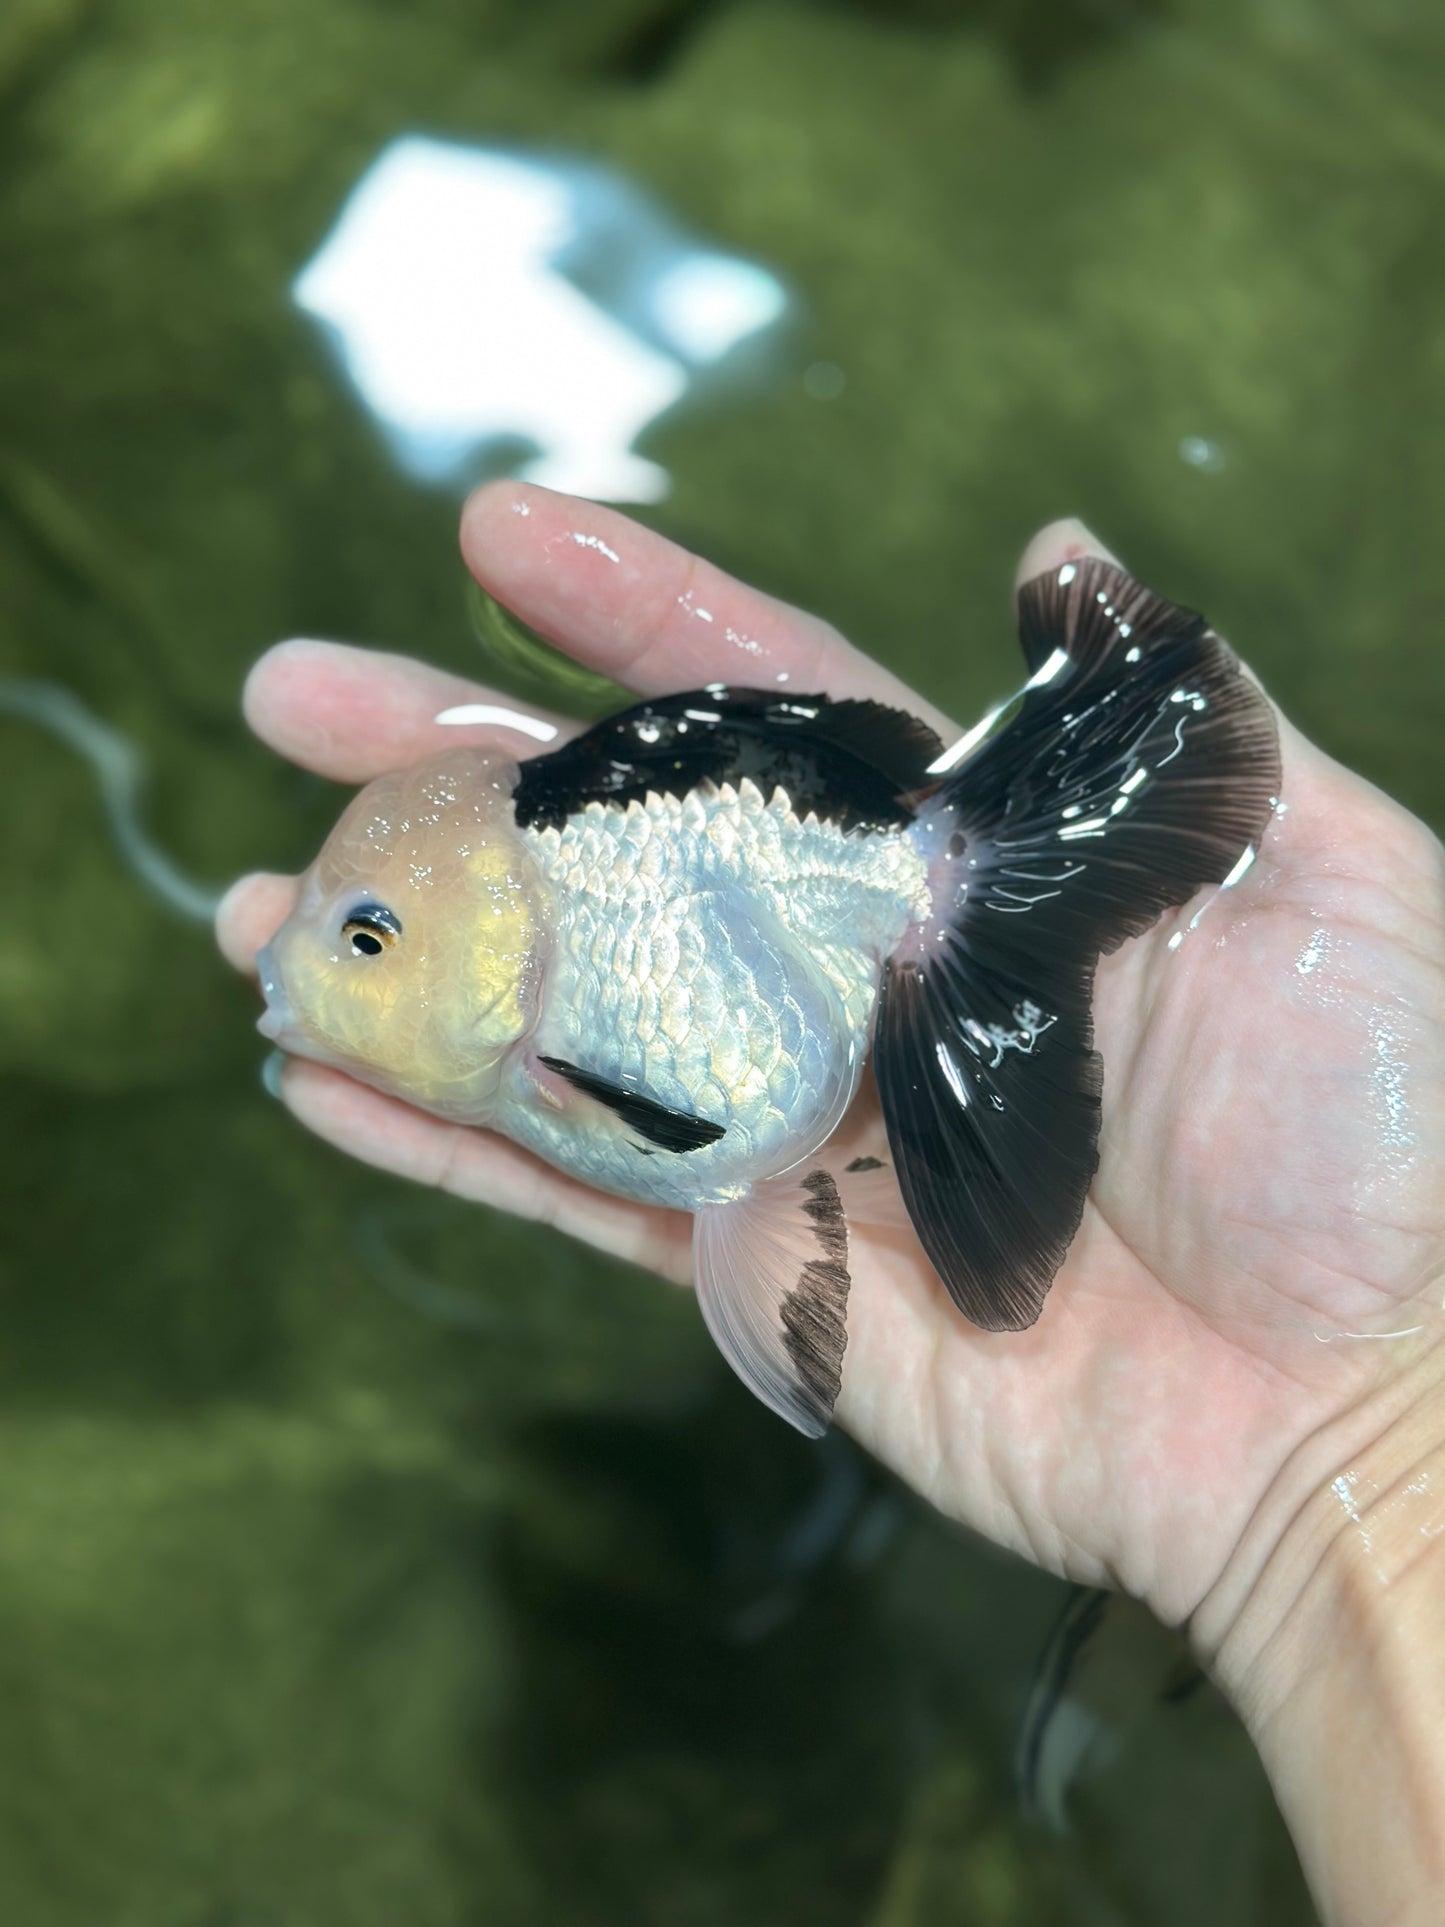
660, 1124
1141, 765
772, 1281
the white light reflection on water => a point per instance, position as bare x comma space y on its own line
480, 298
1199, 452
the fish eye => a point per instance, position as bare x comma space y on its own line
370, 929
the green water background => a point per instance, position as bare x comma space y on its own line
364, 1558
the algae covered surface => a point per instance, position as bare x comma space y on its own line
366, 1558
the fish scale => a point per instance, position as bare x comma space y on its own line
722, 953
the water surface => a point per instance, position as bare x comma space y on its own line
365, 1558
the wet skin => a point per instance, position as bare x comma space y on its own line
1273, 1158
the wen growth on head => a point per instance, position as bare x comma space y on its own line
660, 956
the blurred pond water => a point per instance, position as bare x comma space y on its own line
369, 1561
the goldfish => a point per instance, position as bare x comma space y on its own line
661, 956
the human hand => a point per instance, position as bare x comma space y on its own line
1274, 1107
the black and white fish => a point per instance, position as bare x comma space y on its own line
660, 956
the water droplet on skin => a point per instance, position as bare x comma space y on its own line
1312, 954
595, 542
687, 603
1344, 1490
748, 644
1388, 1076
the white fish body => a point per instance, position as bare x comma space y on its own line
724, 956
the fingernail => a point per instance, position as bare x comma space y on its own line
273, 1068
1078, 535
1080, 539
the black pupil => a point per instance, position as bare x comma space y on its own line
368, 945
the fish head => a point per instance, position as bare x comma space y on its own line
413, 956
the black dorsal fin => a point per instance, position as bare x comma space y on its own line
851, 762
660, 1124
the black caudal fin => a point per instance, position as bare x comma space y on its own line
772, 1281
1141, 765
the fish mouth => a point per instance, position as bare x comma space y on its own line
278, 1020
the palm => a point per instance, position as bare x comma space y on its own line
1267, 1181
1272, 1155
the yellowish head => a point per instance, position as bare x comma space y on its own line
412, 956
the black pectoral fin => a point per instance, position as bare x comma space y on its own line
1141, 765
659, 1124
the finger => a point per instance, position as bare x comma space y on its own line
352, 714
250, 914
481, 1167
626, 601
